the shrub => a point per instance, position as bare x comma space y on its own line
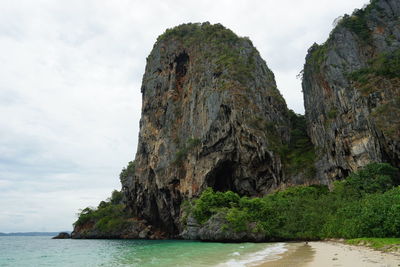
127, 172
210, 202
116, 197
373, 178
366, 204
109, 217
374, 215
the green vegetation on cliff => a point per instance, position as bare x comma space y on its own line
385, 65
366, 204
223, 47
357, 22
109, 216
192, 33
318, 54
127, 172
382, 73
298, 155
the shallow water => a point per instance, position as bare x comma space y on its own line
44, 251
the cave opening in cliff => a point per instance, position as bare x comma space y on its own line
221, 178
181, 62
181, 69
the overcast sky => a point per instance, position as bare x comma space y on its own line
70, 76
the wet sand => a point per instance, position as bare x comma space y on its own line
327, 254
297, 254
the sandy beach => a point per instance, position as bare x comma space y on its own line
326, 254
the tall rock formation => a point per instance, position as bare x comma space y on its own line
212, 116
351, 86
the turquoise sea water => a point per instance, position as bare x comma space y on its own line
44, 251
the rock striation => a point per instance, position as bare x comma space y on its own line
212, 116
351, 86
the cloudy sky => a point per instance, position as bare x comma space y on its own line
70, 78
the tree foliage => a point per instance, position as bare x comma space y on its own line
109, 216
366, 204
127, 172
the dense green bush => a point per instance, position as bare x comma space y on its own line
108, 217
373, 178
116, 197
366, 204
374, 215
210, 202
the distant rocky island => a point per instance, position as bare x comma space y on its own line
221, 158
30, 234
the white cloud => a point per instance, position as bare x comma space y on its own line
70, 88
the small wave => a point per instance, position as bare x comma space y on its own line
252, 259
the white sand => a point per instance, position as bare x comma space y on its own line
327, 254
337, 254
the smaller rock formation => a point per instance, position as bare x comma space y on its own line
215, 229
62, 235
131, 228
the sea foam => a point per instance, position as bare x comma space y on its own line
271, 252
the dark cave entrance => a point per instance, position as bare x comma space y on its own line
181, 62
181, 69
221, 178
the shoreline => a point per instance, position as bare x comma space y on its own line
331, 253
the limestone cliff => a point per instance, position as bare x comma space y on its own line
212, 116
351, 86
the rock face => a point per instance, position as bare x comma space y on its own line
133, 228
215, 229
351, 88
62, 235
211, 117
